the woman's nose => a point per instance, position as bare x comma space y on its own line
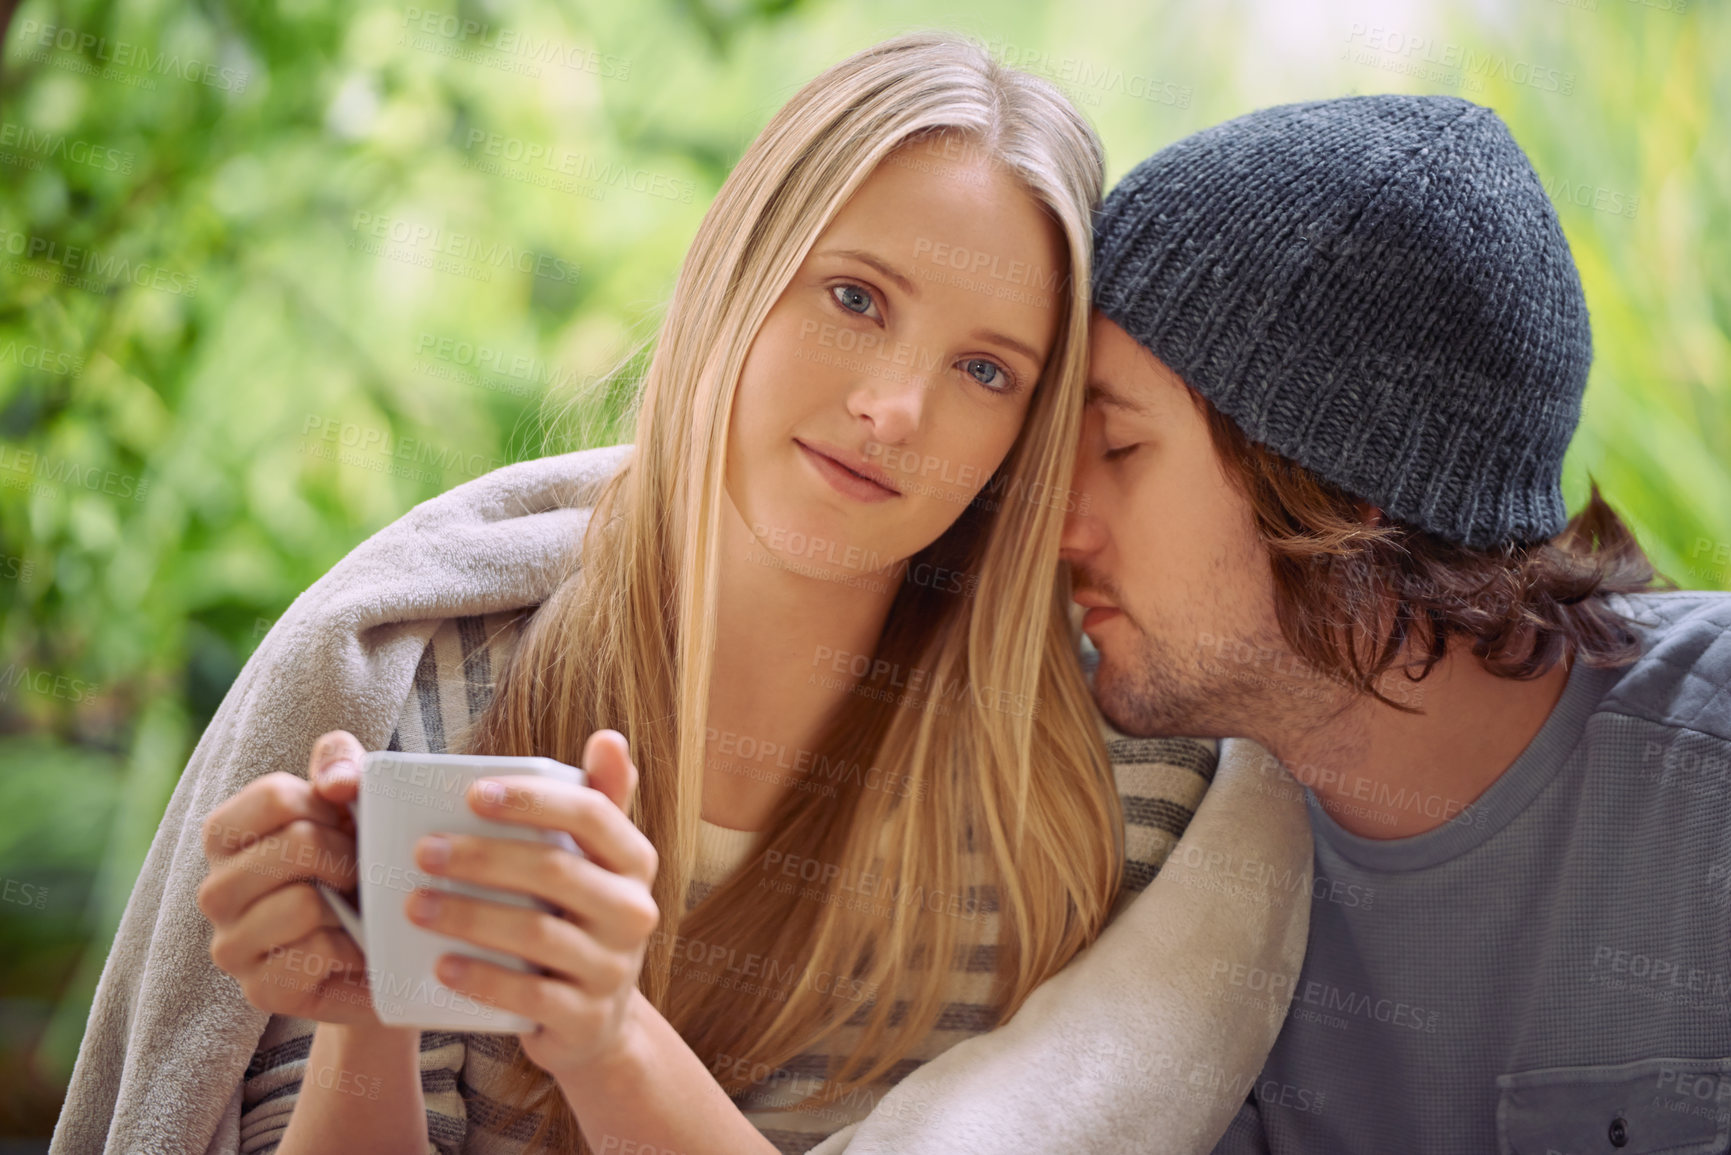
894, 406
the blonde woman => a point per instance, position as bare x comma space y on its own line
833, 537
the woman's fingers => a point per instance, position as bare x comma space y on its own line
542, 999
607, 767
302, 849
282, 916
593, 947
543, 939
320, 976
272, 930
617, 909
590, 817
335, 767
263, 805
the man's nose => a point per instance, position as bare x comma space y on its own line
1083, 532
1081, 538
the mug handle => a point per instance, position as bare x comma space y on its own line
346, 914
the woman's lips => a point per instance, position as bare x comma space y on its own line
844, 480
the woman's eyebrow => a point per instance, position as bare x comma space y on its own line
1008, 342
907, 286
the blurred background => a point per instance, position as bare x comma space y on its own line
272, 273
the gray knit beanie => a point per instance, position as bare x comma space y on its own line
1374, 287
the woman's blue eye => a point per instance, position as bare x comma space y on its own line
852, 298
985, 372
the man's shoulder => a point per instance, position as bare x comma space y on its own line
1683, 676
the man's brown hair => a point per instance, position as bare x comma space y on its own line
1356, 599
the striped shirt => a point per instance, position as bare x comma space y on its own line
1160, 782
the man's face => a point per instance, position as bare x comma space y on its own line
1190, 644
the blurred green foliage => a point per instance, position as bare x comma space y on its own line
271, 274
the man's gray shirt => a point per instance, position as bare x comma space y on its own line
1547, 973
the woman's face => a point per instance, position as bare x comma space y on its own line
906, 347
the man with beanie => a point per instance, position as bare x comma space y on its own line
1339, 351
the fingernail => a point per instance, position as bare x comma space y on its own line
492, 792
435, 851
341, 768
424, 905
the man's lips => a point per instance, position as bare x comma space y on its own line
1099, 609
1099, 614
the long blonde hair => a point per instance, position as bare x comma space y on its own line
625, 641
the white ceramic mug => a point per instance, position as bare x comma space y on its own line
402, 799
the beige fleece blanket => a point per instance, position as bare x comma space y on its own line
1091, 1063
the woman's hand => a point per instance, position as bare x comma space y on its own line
274, 932
594, 947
